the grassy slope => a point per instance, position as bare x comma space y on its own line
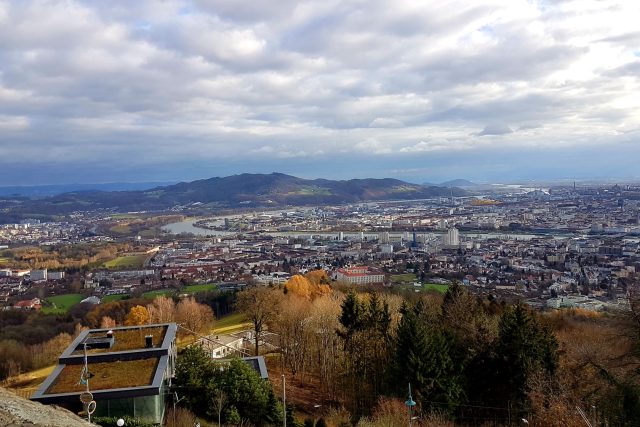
110, 298
62, 303
194, 289
136, 261
404, 278
436, 287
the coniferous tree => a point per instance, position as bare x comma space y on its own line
524, 347
423, 358
352, 317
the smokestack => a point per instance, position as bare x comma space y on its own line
148, 341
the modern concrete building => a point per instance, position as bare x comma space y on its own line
129, 371
384, 237
37, 275
55, 275
221, 346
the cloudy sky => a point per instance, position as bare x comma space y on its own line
489, 90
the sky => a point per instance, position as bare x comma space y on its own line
170, 90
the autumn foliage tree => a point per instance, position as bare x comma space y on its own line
138, 315
310, 286
194, 316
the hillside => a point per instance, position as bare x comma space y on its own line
248, 190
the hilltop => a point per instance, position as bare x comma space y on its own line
244, 190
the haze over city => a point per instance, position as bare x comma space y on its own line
423, 91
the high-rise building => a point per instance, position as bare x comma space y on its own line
384, 237
452, 238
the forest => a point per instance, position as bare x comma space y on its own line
469, 360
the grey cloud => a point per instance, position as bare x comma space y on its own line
495, 129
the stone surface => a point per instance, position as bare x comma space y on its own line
16, 411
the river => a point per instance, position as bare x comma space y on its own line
188, 226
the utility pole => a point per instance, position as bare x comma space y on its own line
284, 400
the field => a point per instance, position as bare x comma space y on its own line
27, 383
120, 229
235, 320
311, 191
191, 289
435, 287
194, 289
110, 298
404, 279
135, 261
161, 292
125, 216
62, 303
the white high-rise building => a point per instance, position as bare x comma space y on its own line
452, 238
386, 249
384, 237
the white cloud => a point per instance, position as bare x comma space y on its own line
221, 78
384, 122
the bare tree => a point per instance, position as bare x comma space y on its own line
107, 322
292, 325
195, 317
162, 310
259, 304
219, 400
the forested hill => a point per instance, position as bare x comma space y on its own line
249, 190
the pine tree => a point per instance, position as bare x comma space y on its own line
352, 317
524, 348
423, 358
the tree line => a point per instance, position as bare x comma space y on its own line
469, 360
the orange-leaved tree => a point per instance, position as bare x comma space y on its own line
309, 286
138, 315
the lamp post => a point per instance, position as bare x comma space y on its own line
175, 402
410, 404
316, 406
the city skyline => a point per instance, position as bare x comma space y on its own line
500, 91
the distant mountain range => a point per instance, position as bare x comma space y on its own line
458, 183
245, 190
34, 191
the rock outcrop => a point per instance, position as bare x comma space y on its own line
16, 411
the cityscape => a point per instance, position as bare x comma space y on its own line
319, 213
553, 249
